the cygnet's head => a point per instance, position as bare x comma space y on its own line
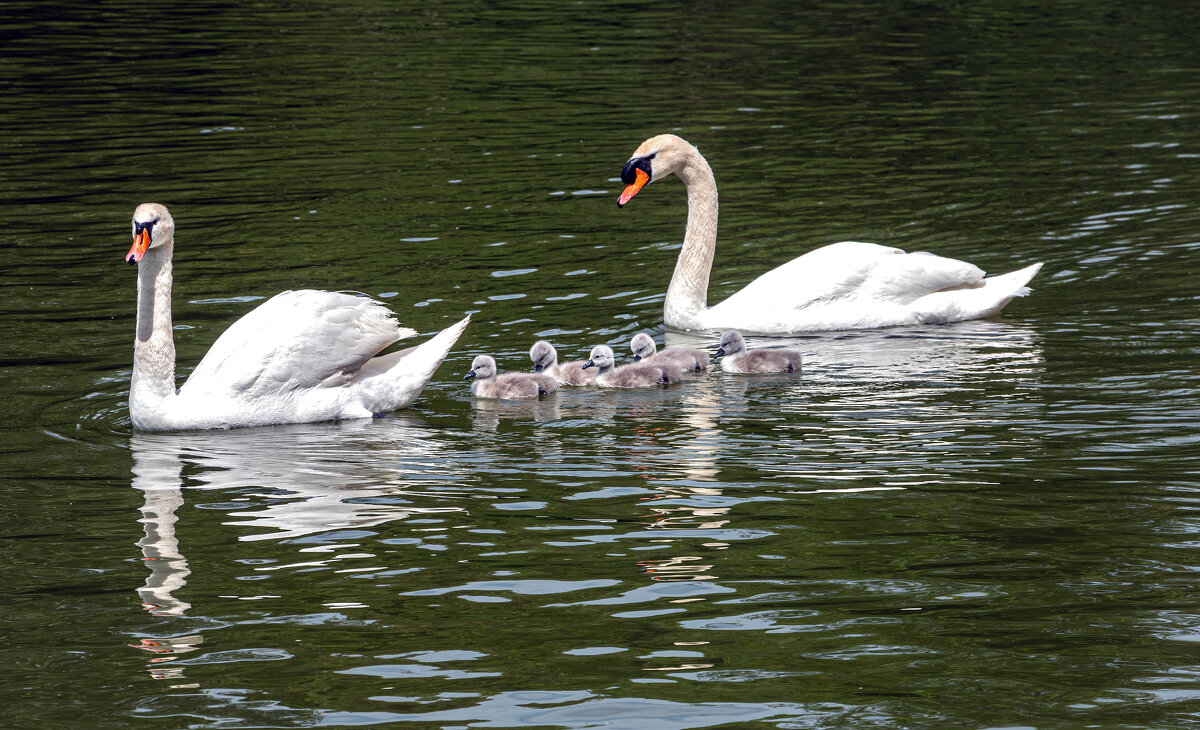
152, 227
482, 367
731, 344
543, 355
601, 357
654, 159
642, 346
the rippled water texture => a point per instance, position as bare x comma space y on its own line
989, 524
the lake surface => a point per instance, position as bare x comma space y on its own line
983, 525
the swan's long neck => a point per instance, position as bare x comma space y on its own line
153, 378
687, 296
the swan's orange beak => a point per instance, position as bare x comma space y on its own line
141, 242
631, 190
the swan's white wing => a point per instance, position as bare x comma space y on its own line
905, 278
853, 270
297, 339
823, 275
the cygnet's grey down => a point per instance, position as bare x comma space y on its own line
684, 358
634, 375
509, 385
737, 359
545, 361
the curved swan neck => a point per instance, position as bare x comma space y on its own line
687, 296
154, 345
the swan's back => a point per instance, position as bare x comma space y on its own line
295, 340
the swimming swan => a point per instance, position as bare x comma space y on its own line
635, 375
737, 359
545, 360
301, 356
509, 385
847, 285
684, 358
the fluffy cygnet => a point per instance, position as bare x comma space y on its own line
635, 375
740, 360
684, 358
510, 385
545, 361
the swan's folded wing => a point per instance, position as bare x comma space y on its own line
297, 339
907, 277
819, 276
855, 271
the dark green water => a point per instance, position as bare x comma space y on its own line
992, 524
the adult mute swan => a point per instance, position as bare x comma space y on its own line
301, 356
847, 285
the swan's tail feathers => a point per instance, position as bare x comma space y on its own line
1015, 281
394, 380
998, 291
984, 299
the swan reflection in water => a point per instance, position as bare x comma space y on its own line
318, 477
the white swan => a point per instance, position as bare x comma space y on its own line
847, 285
301, 356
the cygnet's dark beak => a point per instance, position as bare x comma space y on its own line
637, 358
588, 364
469, 375
538, 368
720, 351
